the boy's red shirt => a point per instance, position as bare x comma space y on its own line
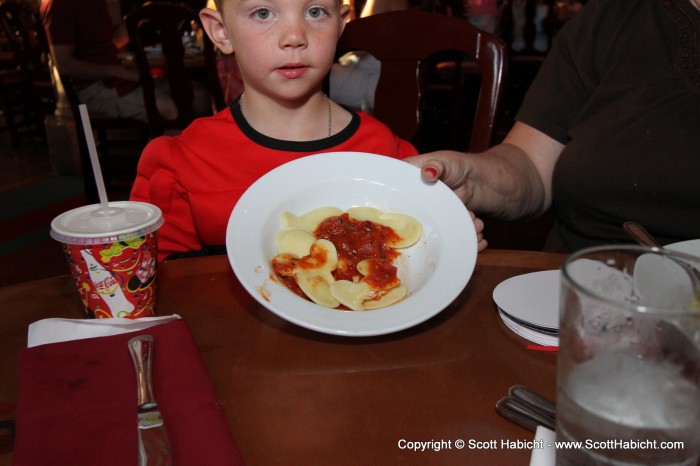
196, 178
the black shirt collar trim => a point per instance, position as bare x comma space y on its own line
294, 146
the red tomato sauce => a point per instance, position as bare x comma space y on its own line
357, 240
381, 275
283, 265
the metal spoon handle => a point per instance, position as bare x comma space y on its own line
640, 234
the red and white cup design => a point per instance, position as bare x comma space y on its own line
112, 254
116, 279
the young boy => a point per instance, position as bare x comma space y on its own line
284, 50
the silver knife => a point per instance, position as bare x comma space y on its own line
154, 446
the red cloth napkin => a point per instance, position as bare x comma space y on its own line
77, 403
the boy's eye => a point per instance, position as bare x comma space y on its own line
262, 13
316, 12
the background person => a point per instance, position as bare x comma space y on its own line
85, 37
608, 132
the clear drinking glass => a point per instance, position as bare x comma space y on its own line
628, 370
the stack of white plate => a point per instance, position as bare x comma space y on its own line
529, 306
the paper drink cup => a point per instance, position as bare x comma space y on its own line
112, 255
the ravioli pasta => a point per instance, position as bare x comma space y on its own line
344, 259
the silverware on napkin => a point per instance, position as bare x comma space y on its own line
154, 446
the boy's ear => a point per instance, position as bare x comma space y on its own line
214, 26
344, 15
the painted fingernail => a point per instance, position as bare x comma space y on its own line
432, 171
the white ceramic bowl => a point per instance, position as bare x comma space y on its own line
435, 270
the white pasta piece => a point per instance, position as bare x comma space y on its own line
407, 228
294, 241
394, 295
364, 213
361, 296
316, 287
310, 220
314, 275
351, 294
363, 266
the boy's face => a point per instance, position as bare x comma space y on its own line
284, 48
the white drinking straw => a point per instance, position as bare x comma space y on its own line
96, 170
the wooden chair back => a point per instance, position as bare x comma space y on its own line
164, 23
402, 41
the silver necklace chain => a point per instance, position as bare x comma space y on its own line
328, 101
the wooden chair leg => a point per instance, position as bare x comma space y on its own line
10, 121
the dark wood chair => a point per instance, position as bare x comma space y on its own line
164, 23
404, 42
27, 93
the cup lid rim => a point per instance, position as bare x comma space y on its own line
72, 226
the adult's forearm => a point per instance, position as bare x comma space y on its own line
514, 179
504, 183
510, 180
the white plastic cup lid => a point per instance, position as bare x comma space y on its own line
92, 225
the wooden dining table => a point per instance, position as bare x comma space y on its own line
292, 395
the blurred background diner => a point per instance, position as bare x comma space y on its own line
42, 152
601, 137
